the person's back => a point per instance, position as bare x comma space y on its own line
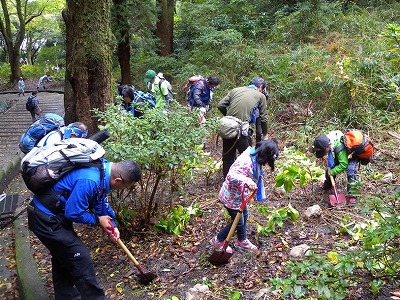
243, 103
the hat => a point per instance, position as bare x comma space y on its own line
320, 144
150, 74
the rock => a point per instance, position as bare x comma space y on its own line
262, 294
313, 211
198, 292
299, 251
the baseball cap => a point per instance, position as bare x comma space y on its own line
150, 74
321, 142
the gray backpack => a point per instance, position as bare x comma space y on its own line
43, 166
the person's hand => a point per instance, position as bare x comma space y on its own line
252, 186
203, 110
106, 224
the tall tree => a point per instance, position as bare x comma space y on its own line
165, 26
88, 59
13, 20
131, 17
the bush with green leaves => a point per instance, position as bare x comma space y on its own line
295, 168
168, 147
178, 218
373, 251
276, 218
316, 277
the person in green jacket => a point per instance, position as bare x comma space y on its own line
245, 103
160, 88
330, 145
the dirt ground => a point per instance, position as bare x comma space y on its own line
181, 262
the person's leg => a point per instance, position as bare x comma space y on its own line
228, 154
221, 236
258, 130
327, 183
352, 176
241, 226
73, 265
33, 116
243, 143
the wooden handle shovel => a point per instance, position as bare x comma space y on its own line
144, 277
221, 256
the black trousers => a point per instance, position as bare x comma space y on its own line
229, 148
72, 266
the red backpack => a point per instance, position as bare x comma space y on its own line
357, 143
188, 87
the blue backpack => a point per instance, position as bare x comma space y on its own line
38, 130
144, 97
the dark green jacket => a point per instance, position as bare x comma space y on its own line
240, 103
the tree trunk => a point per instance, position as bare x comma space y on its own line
123, 34
165, 26
88, 60
124, 59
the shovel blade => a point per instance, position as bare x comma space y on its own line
221, 256
145, 278
340, 200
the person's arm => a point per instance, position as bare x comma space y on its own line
165, 92
343, 163
263, 111
223, 104
77, 204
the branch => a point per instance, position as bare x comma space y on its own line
34, 16
396, 135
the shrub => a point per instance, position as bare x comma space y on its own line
168, 147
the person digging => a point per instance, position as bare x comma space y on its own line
328, 146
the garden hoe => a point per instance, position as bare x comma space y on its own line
144, 277
222, 255
337, 199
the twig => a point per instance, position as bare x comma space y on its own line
396, 135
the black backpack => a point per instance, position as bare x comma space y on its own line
30, 105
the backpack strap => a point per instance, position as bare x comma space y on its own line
339, 148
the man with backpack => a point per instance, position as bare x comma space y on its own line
160, 87
338, 159
78, 196
201, 92
246, 104
32, 105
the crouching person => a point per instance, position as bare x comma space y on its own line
79, 196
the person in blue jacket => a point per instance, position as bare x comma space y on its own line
202, 92
79, 196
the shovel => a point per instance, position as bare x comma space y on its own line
337, 198
144, 277
221, 256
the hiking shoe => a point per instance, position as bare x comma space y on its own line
247, 245
214, 241
352, 201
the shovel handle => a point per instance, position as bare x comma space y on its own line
333, 184
126, 250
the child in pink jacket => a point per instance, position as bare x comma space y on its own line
246, 170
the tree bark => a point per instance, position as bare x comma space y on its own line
123, 35
88, 60
165, 26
